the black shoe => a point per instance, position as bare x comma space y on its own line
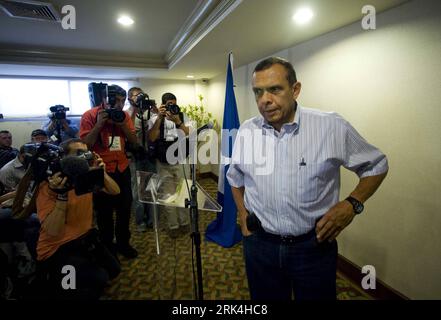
128, 251
113, 250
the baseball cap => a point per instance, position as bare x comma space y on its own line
38, 132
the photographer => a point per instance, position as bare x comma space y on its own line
13, 172
39, 136
7, 153
105, 128
141, 110
163, 133
66, 235
59, 126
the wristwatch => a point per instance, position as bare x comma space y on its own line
357, 205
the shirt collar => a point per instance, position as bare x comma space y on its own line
17, 163
290, 126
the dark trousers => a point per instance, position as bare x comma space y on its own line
104, 204
94, 267
277, 270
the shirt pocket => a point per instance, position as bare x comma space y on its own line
311, 180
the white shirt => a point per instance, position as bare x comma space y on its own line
170, 131
299, 181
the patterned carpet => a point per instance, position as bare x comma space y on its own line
169, 276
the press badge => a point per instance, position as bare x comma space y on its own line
116, 144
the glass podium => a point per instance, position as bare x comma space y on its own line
166, 194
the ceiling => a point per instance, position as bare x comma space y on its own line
170, 38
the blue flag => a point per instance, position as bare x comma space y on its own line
224, 230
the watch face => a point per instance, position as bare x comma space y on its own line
358, 208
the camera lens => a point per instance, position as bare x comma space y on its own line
117, 116
173, 108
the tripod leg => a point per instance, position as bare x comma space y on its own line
156, 226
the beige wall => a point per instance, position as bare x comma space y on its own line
387, 83
21, 130
185, 91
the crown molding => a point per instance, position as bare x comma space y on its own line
204, 18
78, 58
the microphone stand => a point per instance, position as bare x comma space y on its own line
140, 116
196, 236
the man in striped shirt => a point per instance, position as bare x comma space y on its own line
285, 178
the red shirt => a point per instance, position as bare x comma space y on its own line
114, 157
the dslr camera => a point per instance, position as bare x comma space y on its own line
47, 159
102, 92
58, 112
114, 113
144, 103
172, 108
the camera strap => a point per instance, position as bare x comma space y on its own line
113, 136
140, 116
162, 129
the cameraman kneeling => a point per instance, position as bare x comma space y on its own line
67, 237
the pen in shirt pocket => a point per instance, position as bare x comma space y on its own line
302, 162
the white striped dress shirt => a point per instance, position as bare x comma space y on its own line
292, 177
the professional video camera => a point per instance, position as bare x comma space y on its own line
172, 108
143, 102
102, 92
58, 112
43, 158
46, 160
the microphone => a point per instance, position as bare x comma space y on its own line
207, 126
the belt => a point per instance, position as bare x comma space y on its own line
286, 239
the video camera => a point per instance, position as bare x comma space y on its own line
47, 159
58, 112
102, 92
172, 108
143, 102
43, 158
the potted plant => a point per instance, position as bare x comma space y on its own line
200, 116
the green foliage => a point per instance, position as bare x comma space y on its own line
199, 114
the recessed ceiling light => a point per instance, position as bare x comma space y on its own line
303, 16
190, 76
125, 21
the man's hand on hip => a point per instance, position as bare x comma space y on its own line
334, 221
243, 223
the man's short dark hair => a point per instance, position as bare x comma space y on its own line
167, 97
38, 132
119, 90
5, 132
65, 145
269, 62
